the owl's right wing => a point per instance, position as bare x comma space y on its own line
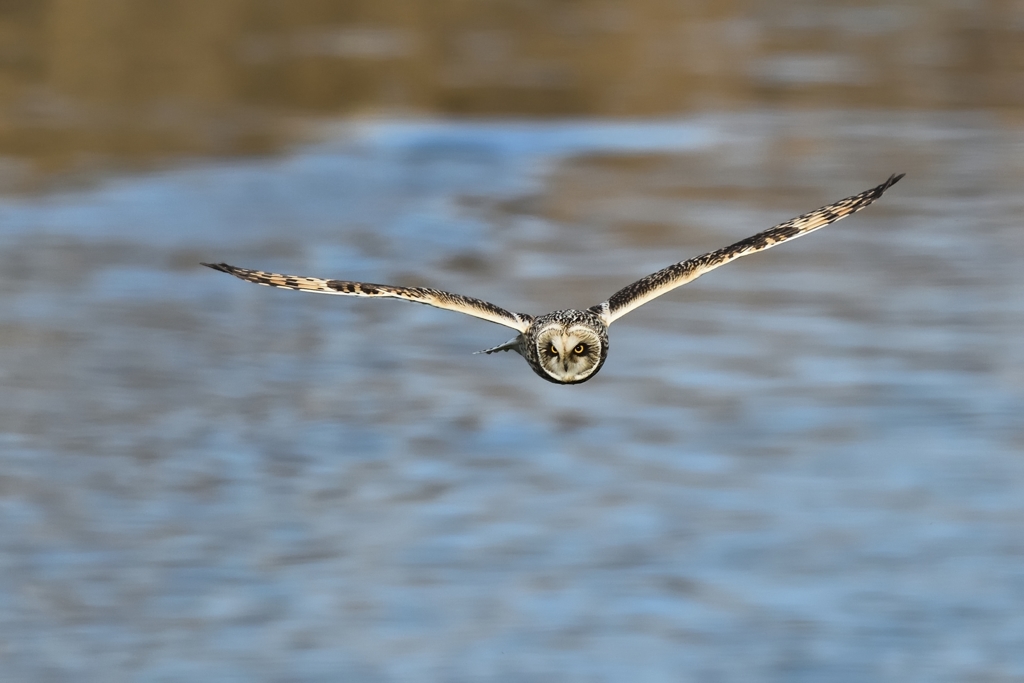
421, 295
665, 280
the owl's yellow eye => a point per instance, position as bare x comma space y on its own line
580, 349
552, 350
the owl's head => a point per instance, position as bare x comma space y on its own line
568, 347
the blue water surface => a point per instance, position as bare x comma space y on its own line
805, 466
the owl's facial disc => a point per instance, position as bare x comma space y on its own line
569, 355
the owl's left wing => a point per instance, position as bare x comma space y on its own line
421, 295
676, 275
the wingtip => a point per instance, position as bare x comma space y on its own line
893, 179
222, 267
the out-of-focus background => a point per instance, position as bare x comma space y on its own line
806, 466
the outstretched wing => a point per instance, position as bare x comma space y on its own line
667, 279
420, 295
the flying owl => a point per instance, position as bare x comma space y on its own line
570, 346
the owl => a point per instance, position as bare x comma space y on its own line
570, 346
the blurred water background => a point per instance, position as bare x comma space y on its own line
806, 466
